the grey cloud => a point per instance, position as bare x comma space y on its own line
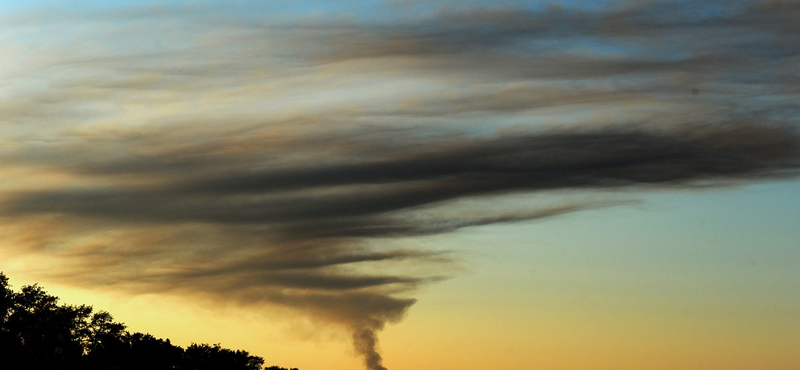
597, 158
280, 235
657, 37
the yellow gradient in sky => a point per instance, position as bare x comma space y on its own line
542, 296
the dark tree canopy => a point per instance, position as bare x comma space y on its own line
36, 332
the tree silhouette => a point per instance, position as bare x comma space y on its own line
37, 333
149, 352
208, 357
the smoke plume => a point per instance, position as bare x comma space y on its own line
261, 162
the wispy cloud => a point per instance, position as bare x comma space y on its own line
260, 161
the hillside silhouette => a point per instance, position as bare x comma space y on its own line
38, 333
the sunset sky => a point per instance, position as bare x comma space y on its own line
451, 185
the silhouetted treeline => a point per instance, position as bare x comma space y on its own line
38, 333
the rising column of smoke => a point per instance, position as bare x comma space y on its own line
365, 341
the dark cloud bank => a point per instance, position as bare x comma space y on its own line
304, 218
295, 236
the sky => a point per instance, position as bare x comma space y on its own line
413, 184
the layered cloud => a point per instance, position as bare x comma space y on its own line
259, 160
